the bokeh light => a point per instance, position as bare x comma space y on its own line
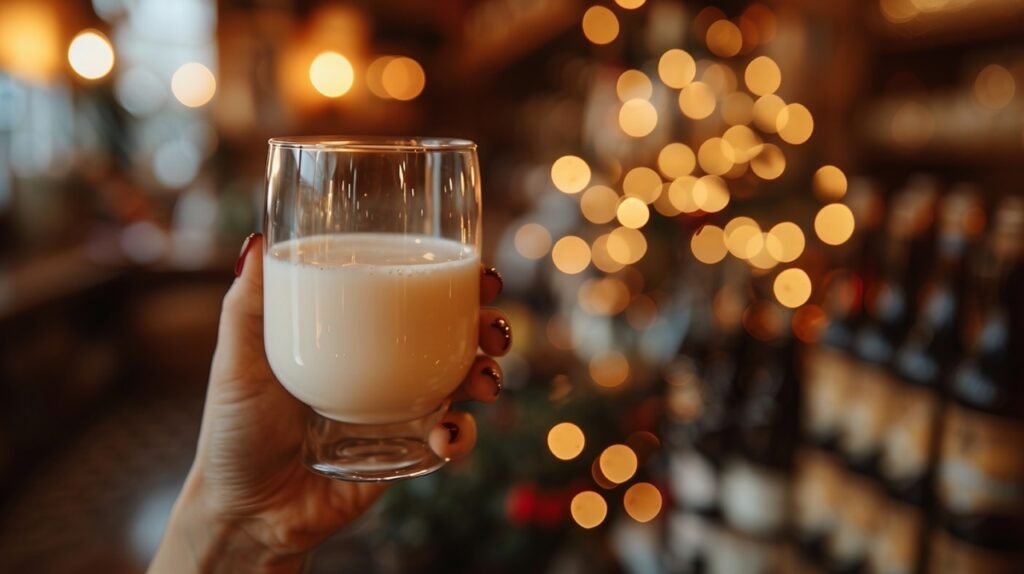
760, 248
600, 25
738, 109
633, 84
633, 212
599, 204
571, 255
809, 322
741, 235
710, 194
607, 296
626, 246
90, 54
642, 502
724, 39
680, 194
697, 100
588, 509
770, 163
792, 287
708, 244
743, 143
630, 4
331, 74
676, 160
193, 85
642, 182
794, 124
720, 78
766, 112
762, 76
829, 183
403, 78
994, 87
602, 259
834, 224
676, 68
715, 156
609, 369
532, 241
788, 242
570, 174
637, 117
375, 76
618, 463
566, 441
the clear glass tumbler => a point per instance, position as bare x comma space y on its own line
371, 285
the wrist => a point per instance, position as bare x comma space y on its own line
200, 538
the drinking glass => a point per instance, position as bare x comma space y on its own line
371, 293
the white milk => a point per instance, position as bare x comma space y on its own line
371, 328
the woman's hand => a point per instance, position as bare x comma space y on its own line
248, 504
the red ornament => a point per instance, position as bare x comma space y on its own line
521, 504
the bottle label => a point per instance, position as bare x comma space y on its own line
981, 468
867, 411
826, 388
860, 511
951, 556
817, 492
895, 551
907, 445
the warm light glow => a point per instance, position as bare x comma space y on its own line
588, 509
609, 369
90, 54
570, 174
711, 194
599, 204
403, 78
912, 125
794, 124
532, 241
571, 255
608, 296
30, 42
642, 502
994, 87
642, 182
602, 259
600, 25
633, 84
788, 242
766, 112
375, 76
834, 224
633, 212
720, 78
830, 183
898, 11
663, 204
638, 117
761, 248
792, 287
618, 463
566, 441
680, 194
808, 323
738, 109
676, 68
193, 85
630, 4
676, 160
331, 74
762, 76
741, 234
770, 163
708, 244
724, 39
715, 156
697, 100
626, 246
742, 142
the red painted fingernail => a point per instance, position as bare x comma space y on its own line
502, 326
240, 264
495, 376
453, 431
492, 272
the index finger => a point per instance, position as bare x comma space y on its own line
490, 284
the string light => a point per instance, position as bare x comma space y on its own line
792, 287
737, 109
762, 76
760, 249
602, 259
618, 463
637, 117
588, 509
375, 76
570, 174
766, 112
403, 78
708, 244
697, 100
571, 255
609, 369
630, 4
742, 142
829, 183
642, 182
676, 68
193, 85
633, 212
724, 39
532, 241
834, 223
711, 194
599, 204
90, 54
626, 246
794, 124
663, 204
715, 156
680, 194
787, 242
600, 25
721, 79
566, 441
331, 74
642, 502
739, 233
770, 163
633, 84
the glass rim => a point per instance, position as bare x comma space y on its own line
379, 144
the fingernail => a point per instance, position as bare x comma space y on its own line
495, 376
240, 264
453, 431
492, 272
505, 329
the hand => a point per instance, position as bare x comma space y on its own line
248, 503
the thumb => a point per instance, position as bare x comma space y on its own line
242, 312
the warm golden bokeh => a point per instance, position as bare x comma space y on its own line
599, 204
570, 174
708, 244
994, 87
193, 85
600, 25
374, 76
720, 78
769, 163
638, 118
676, 68
609, 369
633, 212
715, 156
834, 224
830, 183
633, 84
571, 255
788, 242
630, 4
618, 463
794, 124
532, 241
766, 112
792, 287
743, 143
697, 100
331, 74
403, 78
643, 183
626, 246
676, 160
760, 249
738, 109
607, 296
680, 194
90, 54
602, 259
711, 194
762, 76
566, 441
642, 502
588, 509
724, 39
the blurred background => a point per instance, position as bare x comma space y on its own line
763, 260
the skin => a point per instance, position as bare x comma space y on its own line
248, 504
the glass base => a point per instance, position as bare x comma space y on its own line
372, 452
